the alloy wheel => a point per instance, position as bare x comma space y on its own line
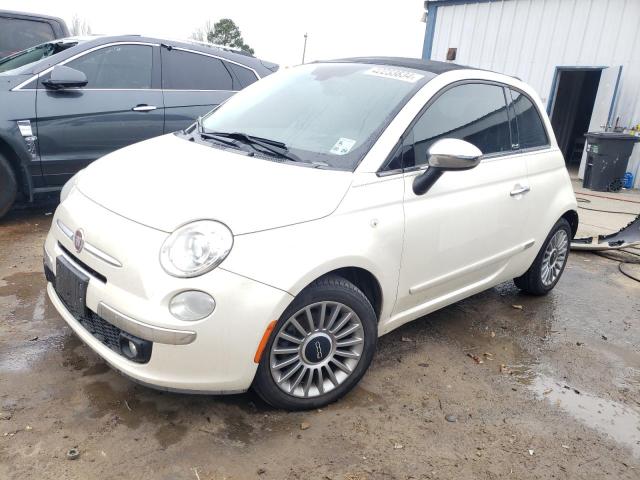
554, 258
316, 349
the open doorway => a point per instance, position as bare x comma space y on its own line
572, 104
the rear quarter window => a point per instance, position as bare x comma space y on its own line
192, 71
244, 75
18, 34
531, 130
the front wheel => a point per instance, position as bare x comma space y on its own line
8, 186
320, 348
548, 266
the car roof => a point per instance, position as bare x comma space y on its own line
431, 66
13, 13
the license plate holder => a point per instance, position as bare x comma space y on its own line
71, 286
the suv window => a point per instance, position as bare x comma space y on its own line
191, 71
18, 34
244, 75
531, 131
475, 112
117, 66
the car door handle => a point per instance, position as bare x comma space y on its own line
518, 190
144, 108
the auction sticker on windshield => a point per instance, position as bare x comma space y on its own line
394, 73
342, 146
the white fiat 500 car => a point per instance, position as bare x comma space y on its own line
271, 244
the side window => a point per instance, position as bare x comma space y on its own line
117, 66
191, 71
244, 75
531, 129
475, 112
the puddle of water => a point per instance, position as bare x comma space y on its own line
22, 357
612, 418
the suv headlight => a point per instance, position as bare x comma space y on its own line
196, 248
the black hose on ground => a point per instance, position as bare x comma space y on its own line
622, 262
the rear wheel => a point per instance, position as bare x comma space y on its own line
548, 266
320, 348
8, 186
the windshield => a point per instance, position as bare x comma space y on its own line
33, 54
327, 113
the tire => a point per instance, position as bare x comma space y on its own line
318, 351
8, 186
538, 280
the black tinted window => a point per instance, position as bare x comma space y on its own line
16, 35
476, 113
191, 71
244, 75
118, 66
530, 127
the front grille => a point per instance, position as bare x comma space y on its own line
108, 334
102, 330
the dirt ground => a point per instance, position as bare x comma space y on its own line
556, 395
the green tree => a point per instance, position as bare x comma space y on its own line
223, 32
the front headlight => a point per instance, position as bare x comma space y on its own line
196, 248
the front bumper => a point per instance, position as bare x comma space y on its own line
213, 355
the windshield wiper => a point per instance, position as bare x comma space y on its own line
214, 136
273, 146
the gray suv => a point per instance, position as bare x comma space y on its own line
68, 102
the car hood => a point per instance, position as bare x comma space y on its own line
168, 181
7, 82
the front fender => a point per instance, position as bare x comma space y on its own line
292, 257
16, 106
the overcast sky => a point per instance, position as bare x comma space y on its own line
275, 29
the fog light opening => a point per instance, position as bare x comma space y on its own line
192, 305
134, 348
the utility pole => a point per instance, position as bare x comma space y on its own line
304, 49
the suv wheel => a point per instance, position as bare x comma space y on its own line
320, 348
8, 186
548, 266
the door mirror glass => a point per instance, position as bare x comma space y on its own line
453, 154
65, 77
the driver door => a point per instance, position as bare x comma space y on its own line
461, 235
120, 105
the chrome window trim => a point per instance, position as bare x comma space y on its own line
19, 88
78, 55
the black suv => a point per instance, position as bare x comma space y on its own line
66, 103
20, 30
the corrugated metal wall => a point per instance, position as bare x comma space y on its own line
530, 38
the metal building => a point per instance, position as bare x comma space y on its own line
582, 57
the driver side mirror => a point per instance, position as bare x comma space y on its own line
448, 154
65, 77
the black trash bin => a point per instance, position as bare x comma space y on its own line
607, 158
